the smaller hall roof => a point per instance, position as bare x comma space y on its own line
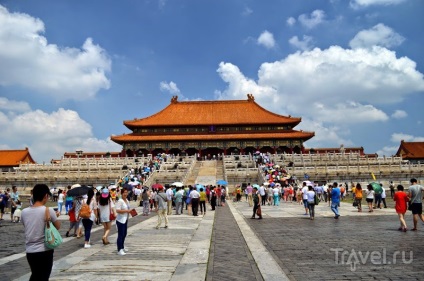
12, 158
411, 150
221, 112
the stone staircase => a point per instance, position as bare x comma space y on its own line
204, 172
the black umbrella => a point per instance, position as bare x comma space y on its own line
78, 191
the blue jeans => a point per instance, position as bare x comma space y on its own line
88, 224
68, 206
335, 208
59, 206
122, 233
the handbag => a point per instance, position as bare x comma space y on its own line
316, 200
259, 211
355, 203
112, 215
133, 212
52, 237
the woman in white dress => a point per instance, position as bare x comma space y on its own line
106, 208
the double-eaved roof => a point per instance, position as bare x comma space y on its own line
213, 113
225, 112
12, 158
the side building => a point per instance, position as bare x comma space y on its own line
207, 128
10, 159
411, 151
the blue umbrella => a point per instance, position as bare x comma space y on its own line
222, 182
198, 186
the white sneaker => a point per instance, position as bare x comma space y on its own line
121, 252
125, 249
86, 246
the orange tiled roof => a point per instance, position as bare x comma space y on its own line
186, 113
411, 150
211, 137
12, 158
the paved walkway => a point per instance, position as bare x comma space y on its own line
228, 245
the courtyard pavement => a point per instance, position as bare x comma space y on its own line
227, 245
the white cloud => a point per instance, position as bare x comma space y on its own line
266, 39
317, 17
365, 3
247, 11
398, 137
28, 60
13, 106
380, 35
49, 135
291, 21
170, 87
304, 45
334, 87
399, 114
388, 151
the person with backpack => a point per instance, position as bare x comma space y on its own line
88, 214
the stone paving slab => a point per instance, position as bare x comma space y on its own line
357, 246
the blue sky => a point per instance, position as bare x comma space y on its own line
72, 71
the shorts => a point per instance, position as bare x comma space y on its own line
2, 208
305, 203
417, 208
369, 200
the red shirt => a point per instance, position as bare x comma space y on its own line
401, 199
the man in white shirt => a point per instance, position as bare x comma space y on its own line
263, 194
170, 197
305, 198
194, 195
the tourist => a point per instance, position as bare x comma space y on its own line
170, 197
179, 201
3, 202
369, 197
270, 195
311, 201
161, 207
392, 189
383, 196
60, 200
77, 203
202, 201
299, 196
256, 202
342, 191
223, 195
73, 223
416, 196
377, 197
68, 200
305, 198
213, 198
14, 198
145, 198
401, 199
40, 258
262, 192
188, 200
88, 222
353, 188
153, 204
195, 196
325, 191
249, 190
238, 193
123, 210
335, 200
106, 208
357, 192
219, 193
276, 195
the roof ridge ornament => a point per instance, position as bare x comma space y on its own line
174, 99
250, 97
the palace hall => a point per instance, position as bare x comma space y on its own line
206, 128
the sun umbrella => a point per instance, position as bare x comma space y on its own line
272, 184
157, 185
78, 191
222, 182
198, 186
377, 187
256, 185
75, 185
277, 166
177, 184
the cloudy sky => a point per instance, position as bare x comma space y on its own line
72, 71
